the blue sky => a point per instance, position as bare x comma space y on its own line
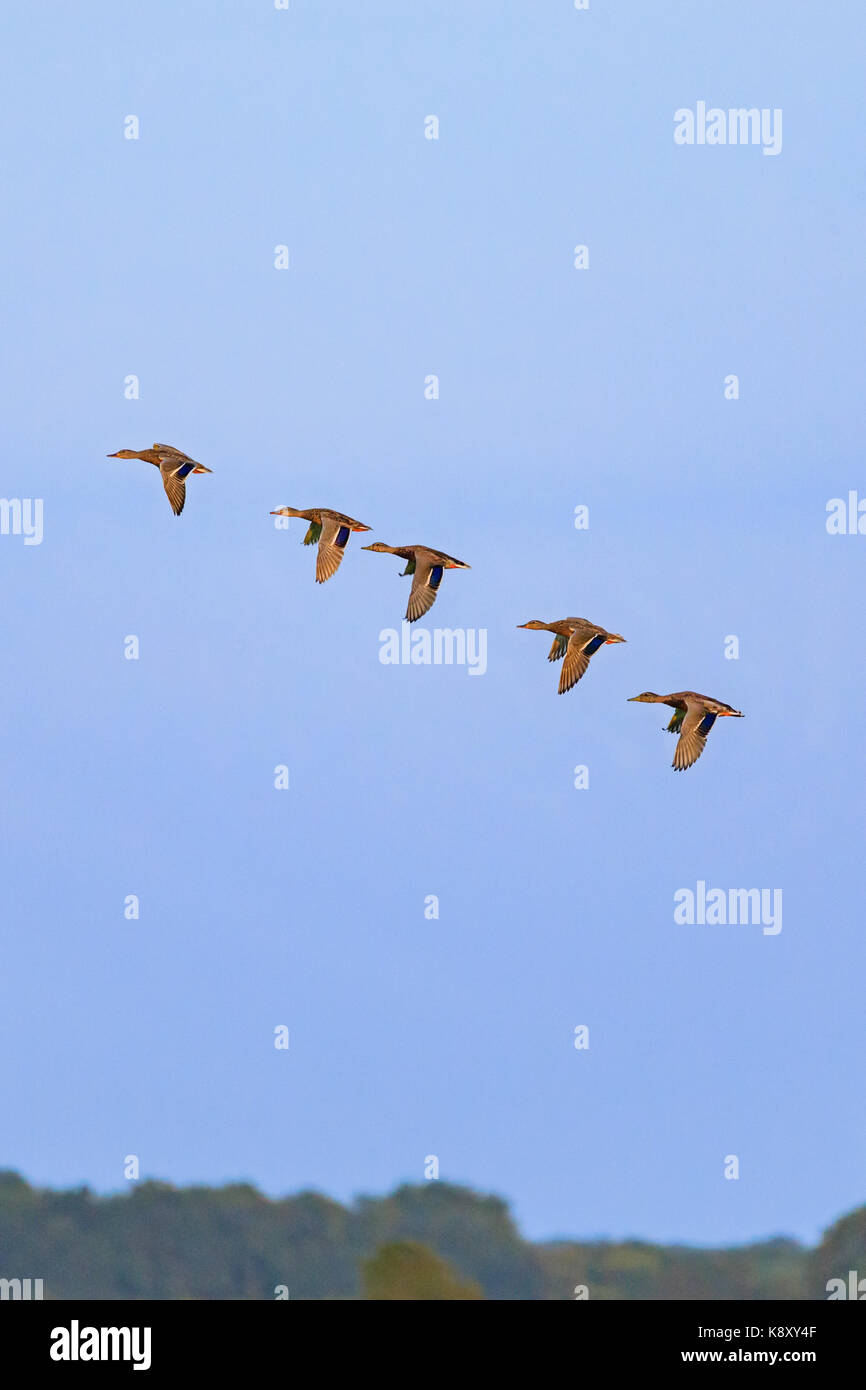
558, 387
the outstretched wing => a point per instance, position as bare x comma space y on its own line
557, 651
580, 648
425, 586
175, 467
173, 481
333, 536
696, 724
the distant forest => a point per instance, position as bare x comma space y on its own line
429, 1242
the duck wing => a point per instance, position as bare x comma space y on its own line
557, 651
696, 724
173, 472
427, 574
333, 536
581, 646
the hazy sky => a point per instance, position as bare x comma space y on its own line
559, 387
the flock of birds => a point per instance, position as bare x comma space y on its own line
575, 640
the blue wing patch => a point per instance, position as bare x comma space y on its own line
436, 576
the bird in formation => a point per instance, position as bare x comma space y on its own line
427, 566
174, 465
694, 716
331, 530
576, 640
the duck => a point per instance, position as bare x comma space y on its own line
174, 465
331, 530
427, 566
575, 639
694, 716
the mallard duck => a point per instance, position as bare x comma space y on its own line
694, 716
174, 466
576, 640
427, 566
331, 530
